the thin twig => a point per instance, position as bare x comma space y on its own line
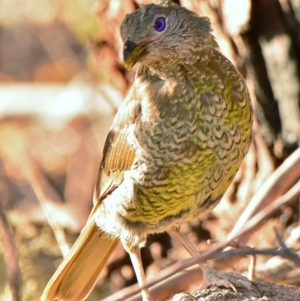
46, 204
251, 268
261, 217
277, 184
13, 267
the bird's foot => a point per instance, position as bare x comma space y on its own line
228, 280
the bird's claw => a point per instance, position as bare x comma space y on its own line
228, 280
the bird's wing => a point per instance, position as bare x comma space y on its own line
118, 153
77, 274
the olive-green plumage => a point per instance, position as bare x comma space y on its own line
175, 145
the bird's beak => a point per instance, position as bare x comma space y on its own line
132, 53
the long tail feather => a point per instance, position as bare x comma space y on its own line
77, 274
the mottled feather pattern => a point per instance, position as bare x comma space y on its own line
174, 147
188, 135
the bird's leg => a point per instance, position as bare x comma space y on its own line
135, 256
211, 276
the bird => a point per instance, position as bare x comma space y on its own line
175, 145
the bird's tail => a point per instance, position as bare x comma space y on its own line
77, 274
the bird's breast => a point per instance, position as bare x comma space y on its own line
192, 137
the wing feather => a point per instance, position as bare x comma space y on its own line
118, 152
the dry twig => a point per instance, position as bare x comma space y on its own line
13, 268
277, 184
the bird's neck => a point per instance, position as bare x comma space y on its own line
170, 65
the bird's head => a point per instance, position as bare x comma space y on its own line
155, 33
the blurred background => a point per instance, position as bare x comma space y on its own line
61, 82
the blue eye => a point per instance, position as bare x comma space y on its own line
160, 24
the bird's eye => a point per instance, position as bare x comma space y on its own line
160, 24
